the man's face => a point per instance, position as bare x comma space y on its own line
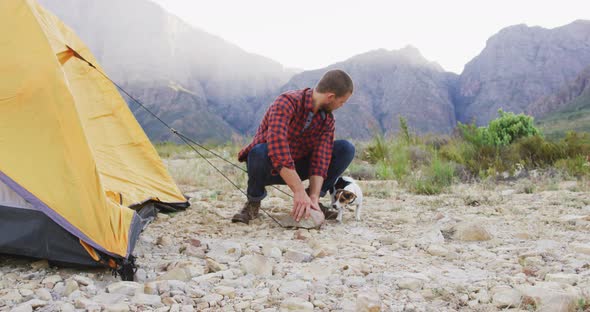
333, 103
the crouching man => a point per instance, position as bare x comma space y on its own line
295, 142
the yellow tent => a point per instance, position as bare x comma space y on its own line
73, 158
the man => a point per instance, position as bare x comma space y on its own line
294, 142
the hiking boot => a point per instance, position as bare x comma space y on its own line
248, 212
329, 214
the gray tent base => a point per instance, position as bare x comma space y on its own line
31, 233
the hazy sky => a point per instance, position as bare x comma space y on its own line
310, 34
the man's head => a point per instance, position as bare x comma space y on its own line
333, 90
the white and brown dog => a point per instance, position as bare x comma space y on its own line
346, 192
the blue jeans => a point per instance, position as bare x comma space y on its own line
260, 167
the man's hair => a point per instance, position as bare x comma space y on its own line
336, 81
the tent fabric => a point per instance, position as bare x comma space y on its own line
70, 145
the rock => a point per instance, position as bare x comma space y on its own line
107, 298
257, 265
314, 222
43, 294
125, 288
471, 231
437, 250
558, 303
506, 297
83, 303
570, 279
214, 266
36, 303
581, 248
410, 283
483, 296
507, 192
75, 295
193, 251
164, 241
179, 274
297, 256
242, 305
52, 279
295, 304
145, 299
187, 308
316, 272
225, 252
141, 275
523, 236
25, 307
388, 239
225, 291
26, 293
12, 295
83, 280
67, 307
212, 299
39, 265
433, 236
271, 251
368, 302
294, 287
71, 286
549, 298
118, 307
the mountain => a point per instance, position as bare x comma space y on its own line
389, 84
212, 90
173, 65
568, 109
520, 65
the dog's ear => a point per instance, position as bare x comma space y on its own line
351, 196
347, 196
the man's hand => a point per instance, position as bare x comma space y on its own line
301, 205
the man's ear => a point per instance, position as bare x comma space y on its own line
330, 96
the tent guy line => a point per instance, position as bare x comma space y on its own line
185, 139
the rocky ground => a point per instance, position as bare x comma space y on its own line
477, 248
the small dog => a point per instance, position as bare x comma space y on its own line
346, 192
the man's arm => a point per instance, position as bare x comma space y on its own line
320, 162
281, 112
315, 186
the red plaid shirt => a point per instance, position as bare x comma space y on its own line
283, 129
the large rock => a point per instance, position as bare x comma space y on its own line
125, 288
179, 274
549, 298
432, 236
368, 302
570, 279
257, 265
471, 231
225, 252
506, 297
314, 222
151, 300
295, 304
297, 256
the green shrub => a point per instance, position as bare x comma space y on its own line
577, 166
501, 131
434, 179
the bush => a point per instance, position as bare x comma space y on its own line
435, 178
577, 167
501, 131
